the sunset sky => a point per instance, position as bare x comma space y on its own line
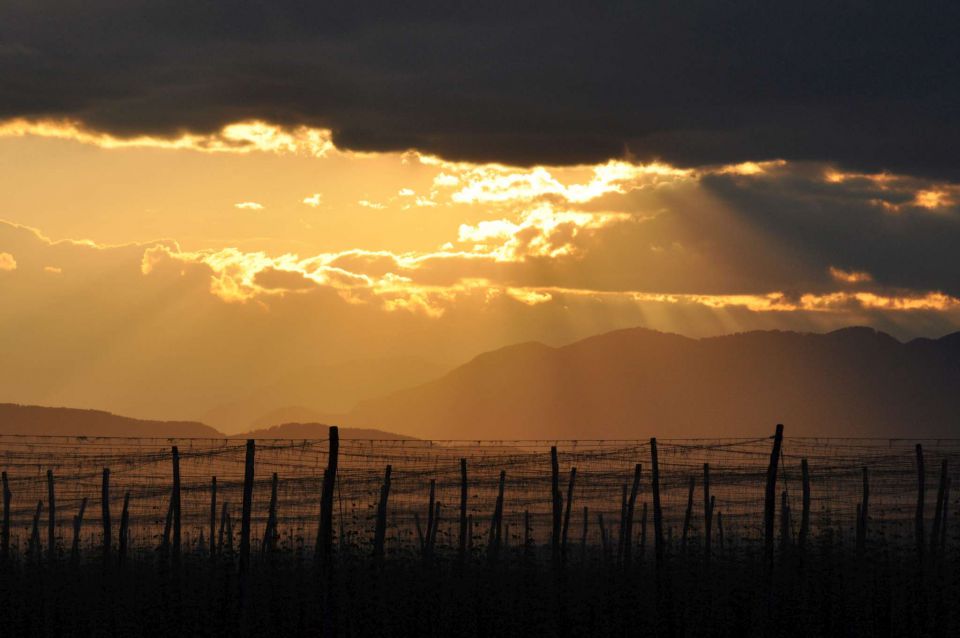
195, 201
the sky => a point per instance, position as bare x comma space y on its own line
198, 198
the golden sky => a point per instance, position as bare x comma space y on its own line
165, 276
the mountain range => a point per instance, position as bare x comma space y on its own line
630, 383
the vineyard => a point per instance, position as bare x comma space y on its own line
766, 536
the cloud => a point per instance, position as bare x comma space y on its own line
248, 206
313, 201
7, 262
692, 84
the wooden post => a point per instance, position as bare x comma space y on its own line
921, 490
631, 507
77, 524
657, 511
270, 533
175, 503
325, 537
805, 511
223, 527
34, 550
5, 531
707, 515
432, 539
557, 506
213, 518
431, 504
124, 530
689, 514
246, 511
720, 529
566, 515
493, 551
421, 537
380, 531
51, 520
105, 512
462, 547
770, 500
938, 512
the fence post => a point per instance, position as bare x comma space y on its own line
631, 508
493, 551
921, 490
425, 546
380, 531
213, 518
688, 515
175, 553
770, 500
247, 508
707, 515
325, 537
462, 547
35, 550
105, 513
5, 531
557, 506
657, 511
805, 511
270, 533
566, 515
77, 523
223, 527
124, 530
51, 520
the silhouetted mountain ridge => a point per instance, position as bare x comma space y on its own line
636, 383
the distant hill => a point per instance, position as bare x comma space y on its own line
37, 420
638, 383
311, 394
318, 431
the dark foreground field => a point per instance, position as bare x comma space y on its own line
828, 592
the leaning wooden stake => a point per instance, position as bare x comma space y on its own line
707, 515
631, 507
246, 511
175, 552
5, 531
462, 547
213, 519
51, 519
124, 530
556, 499
688, 515
770, 500
380, 531
105, 513
921, 490
805, 503
566, 515
325, 537
77, 524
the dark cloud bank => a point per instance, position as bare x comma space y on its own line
871, 85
